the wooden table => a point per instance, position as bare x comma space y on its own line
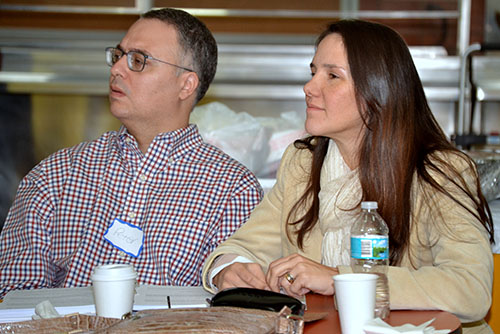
156, 295
331, 324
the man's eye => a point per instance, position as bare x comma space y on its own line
138, 60
116, 57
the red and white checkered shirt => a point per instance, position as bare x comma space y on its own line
187, 197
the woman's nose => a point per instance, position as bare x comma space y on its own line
309, 87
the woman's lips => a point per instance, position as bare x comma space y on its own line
312, 107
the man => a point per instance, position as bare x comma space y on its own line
152, 194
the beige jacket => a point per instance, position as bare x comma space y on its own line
453, 273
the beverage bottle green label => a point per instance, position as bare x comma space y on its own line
370, 247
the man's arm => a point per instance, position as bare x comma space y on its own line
25, 260
237, 210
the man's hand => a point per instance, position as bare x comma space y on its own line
242, 275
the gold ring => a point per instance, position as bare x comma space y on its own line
289, 277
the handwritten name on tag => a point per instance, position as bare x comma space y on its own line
125, 236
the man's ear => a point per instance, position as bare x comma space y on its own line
190, 83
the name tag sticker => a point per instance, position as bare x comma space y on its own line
125, 236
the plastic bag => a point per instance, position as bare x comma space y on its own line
256, 142
285, 130
488, 168
238, 134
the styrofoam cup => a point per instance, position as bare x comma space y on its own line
113, 287
355, 295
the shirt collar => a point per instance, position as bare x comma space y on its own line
173, 144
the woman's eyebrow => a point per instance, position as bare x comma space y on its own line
332, 66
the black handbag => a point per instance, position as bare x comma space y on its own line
257, 299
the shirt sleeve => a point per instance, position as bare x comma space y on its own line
237, 210
222, 262
25, 251
246, 196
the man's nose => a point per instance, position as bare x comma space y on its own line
120, 67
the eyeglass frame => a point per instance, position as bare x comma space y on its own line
109, 59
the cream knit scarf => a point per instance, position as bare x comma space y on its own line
340, 192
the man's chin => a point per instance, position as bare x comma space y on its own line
119, 113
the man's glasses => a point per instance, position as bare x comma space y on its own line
136, 60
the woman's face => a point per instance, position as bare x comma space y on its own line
331, 104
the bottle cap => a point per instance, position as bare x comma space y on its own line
369, 205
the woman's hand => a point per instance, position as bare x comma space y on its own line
307, 275
242, 275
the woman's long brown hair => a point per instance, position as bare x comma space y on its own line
400, 138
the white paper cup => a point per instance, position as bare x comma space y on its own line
355, 295
113, 286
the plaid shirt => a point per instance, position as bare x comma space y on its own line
186, 196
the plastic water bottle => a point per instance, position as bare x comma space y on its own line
370, 252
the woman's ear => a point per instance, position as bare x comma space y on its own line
190, 84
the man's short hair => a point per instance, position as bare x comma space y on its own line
196, 40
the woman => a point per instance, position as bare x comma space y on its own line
373, 138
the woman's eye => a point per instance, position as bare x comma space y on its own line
332, 76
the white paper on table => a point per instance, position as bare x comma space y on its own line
378, 326
19, 305
14, 315
24, 314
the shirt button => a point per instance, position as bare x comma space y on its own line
142, 178
170, 160
131, 215
122, 254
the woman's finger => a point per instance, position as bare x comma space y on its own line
248, 275
308, 275
280, 268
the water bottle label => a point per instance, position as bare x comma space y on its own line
370, 247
